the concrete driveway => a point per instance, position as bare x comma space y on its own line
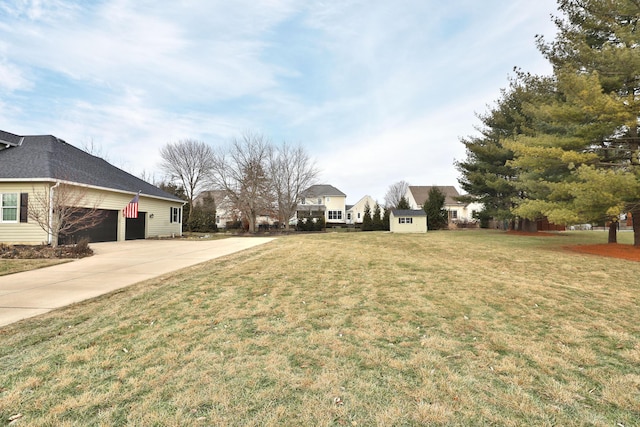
115, 265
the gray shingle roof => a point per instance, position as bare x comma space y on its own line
9, 139
408, 212
322, 190
47, 157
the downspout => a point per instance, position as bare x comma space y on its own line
50, 231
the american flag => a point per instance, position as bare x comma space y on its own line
131, 210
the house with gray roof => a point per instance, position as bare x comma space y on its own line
323, 200
34, 168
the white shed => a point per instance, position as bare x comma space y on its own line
408, 221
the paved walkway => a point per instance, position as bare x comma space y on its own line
114, 265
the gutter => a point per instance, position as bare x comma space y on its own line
50, 232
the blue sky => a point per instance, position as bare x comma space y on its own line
377, 91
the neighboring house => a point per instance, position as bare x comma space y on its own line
408, 221
225, 213
355, 213
32, 167
458, 211
323, 200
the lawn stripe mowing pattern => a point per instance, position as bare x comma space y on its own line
447, 328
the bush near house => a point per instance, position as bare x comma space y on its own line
311, 223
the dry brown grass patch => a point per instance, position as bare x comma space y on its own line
468, 328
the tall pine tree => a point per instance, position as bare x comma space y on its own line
601, 39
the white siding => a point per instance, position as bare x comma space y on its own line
358, 208
335, 203
418, 225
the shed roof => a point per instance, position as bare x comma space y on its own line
45, 157
408, 212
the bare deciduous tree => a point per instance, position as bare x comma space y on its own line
241, 170
291, 171
189, 162
63, 209
95, 149
395, 192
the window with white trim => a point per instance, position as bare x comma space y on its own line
9, 210
454, 214
334, 215
402, 220
175, 215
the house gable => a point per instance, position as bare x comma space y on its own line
355, 213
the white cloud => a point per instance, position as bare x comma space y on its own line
378, 91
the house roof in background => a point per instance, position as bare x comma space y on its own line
421, 193
48, 157
322, 190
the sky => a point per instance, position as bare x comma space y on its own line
376, 91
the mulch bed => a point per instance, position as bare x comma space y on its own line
612, 250
44, 251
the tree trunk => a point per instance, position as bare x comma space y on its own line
635, 218
613, 232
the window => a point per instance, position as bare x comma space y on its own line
454, 214
9, 212
405, 220
358, 215
175, 215
319, 200
335, 215
349, 216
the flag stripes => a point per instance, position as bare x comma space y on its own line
131, 210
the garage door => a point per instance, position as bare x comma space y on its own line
135, 227
105, 231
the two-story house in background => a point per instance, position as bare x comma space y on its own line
323, 200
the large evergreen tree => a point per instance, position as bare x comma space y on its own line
600, 40
486, 174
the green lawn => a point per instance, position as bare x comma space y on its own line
9, 266
346, 329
